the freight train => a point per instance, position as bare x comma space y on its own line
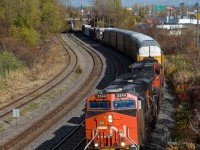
119, 116
135, 45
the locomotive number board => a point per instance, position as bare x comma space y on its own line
100, 96
120, 95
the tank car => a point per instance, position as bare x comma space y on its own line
119, 116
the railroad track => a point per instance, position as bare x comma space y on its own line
6, 111
116, 58
80, 144
43, 124
71, 141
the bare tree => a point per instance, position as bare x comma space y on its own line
107, 10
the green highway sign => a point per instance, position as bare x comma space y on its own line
160, 8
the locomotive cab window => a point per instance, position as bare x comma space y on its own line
124, 104
99, 105
157, 70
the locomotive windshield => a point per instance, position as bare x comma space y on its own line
99, 105
124, 104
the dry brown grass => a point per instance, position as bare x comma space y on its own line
21, 82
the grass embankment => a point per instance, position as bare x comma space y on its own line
180, 74
180, 53
17, 78
9, 68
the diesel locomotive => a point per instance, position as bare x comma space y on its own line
119, 116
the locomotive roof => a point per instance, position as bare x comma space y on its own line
147, 65
141, 64
130, 82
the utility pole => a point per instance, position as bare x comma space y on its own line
154, 14
180, 11
197, 49
115, 12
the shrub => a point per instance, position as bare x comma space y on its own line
100, 24
8, 63
30, 35
1, 127
182, 117
78, 70
180, 72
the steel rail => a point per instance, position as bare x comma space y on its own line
30, 134
6, 111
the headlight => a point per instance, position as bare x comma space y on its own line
96, 144
110, 118
123, 144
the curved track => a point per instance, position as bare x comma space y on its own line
71, 140
6, 111
116, 58
30, 134
116, 63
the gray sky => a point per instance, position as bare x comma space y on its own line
129, 3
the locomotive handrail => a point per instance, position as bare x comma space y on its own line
92, 139
147, 55
131, 140
152, 99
